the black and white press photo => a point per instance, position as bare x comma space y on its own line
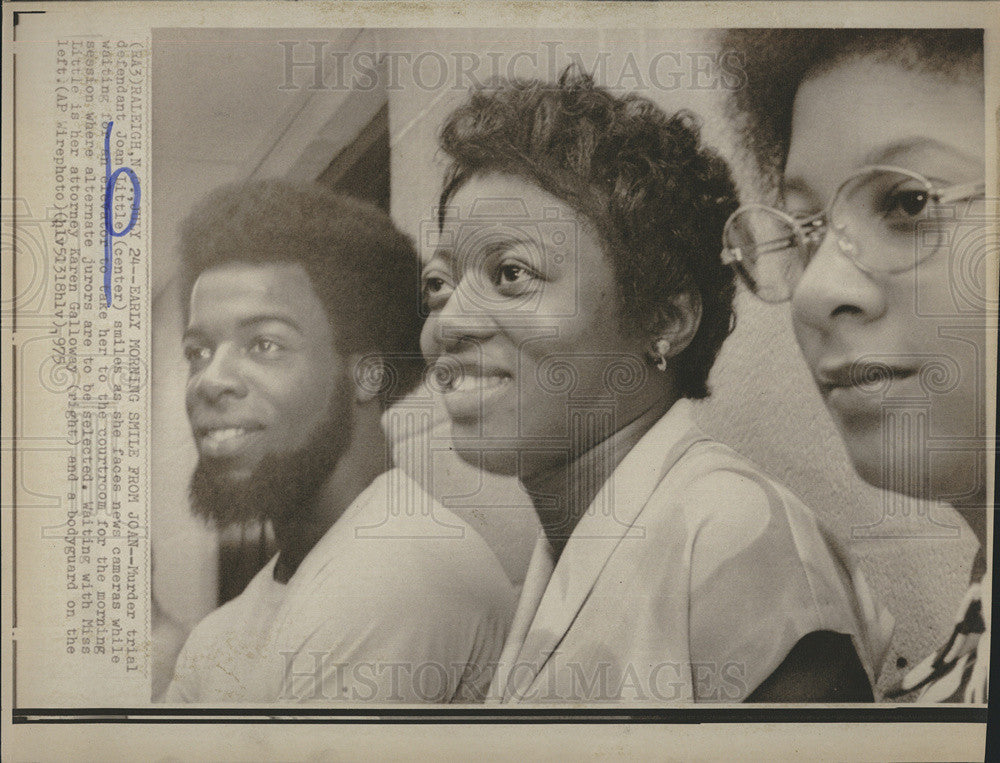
400, 376
688, 366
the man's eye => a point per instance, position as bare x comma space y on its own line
265, 346
194, 352
436, 290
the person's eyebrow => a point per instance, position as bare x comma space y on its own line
191, 333
196, 333
892, 152
506, 240
888, 154
442, 253
270, 318
799, 186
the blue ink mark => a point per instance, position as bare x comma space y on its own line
110, 179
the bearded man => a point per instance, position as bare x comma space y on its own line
303, 324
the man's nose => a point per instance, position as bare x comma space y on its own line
221, 377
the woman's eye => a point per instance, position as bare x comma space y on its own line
908, 202
513, 277
436, 289
904, 200
512, 273
264, 346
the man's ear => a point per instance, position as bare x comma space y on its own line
675, 324
369, 374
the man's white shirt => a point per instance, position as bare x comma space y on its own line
400, 601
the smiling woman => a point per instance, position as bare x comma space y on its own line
575, 304
545, 310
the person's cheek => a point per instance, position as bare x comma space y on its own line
807, 339
428, 341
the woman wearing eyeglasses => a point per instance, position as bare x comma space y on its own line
875, 139
575, 306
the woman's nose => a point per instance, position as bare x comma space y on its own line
833, 288
467, 317
220, 377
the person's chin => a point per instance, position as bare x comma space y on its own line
866, 450
222, 495
487, 455
897, 466
229, 471
485, 444
872, 473
959, 477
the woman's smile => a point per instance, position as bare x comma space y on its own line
468, 389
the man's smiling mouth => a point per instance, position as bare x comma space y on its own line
222, 441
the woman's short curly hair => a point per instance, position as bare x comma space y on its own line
365, 272
657, 198
776, 61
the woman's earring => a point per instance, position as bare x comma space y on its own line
662, 348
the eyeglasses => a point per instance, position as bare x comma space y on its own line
885, 219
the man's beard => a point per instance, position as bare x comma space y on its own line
281, 485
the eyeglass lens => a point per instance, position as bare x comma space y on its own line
883, 220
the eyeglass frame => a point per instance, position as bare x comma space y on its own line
811, 231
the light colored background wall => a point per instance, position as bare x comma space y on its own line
208, 130
219, 115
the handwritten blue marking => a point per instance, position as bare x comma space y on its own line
110, 179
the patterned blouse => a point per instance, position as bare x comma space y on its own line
956, 672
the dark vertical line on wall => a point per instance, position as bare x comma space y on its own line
13, 673
13, 192
13, 486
